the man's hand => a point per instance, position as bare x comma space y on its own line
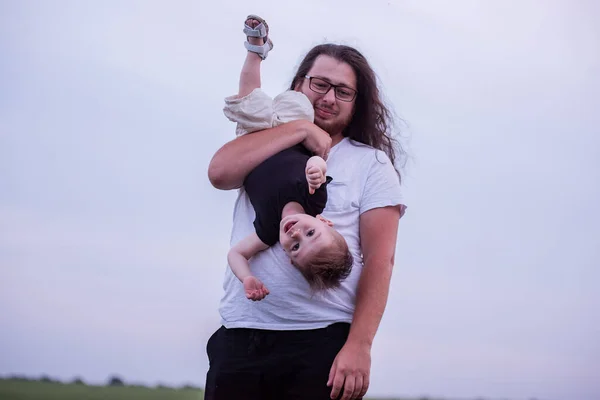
350, 371
255, 289
316, 140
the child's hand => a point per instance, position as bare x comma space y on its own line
255, 290
315, 178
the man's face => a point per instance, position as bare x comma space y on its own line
331, 114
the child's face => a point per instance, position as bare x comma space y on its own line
302, 235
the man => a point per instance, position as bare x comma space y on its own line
294, 345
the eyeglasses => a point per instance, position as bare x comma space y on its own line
321, 86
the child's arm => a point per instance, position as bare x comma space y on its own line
238, 257
316, 168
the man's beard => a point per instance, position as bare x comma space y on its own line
333, 127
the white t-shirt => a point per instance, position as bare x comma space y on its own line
363, 179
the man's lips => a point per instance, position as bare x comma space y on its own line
325, 112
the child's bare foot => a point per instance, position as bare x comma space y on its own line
315, 178
316, 167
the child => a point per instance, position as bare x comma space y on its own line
288, 191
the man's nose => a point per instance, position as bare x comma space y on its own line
329, 97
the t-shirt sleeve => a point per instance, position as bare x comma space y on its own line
382, 186
267, 231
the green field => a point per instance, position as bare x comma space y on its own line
32, 390
35, 390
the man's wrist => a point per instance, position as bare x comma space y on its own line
360, 341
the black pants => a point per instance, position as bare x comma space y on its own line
248, 364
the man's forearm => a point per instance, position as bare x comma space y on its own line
235, 160
378, 233
371, 300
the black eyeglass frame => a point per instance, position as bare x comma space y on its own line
331, 85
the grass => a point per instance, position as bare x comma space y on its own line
34, 390
16, 389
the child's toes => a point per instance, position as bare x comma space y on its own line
252, 23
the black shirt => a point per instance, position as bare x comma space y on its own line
278, 181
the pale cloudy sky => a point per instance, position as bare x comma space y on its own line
113, 242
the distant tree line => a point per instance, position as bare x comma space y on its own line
113, 380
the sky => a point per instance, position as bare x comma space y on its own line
113, 242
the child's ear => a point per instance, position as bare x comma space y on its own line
324, 220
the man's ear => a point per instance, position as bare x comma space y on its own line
324, 220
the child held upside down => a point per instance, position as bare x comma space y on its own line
289, 190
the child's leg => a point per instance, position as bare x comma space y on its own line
252, 109
250, 75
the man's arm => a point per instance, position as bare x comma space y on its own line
378, 235
236, 159
243, 251
351, 368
